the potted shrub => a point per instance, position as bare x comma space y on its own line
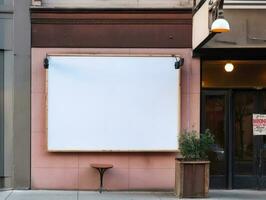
192, 169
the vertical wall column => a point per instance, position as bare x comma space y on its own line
8, 118
190, 93
1, 115
6, 121
22, 85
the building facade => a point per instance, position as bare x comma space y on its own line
34, 29
109, 28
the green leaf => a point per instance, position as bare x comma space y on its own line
195, 146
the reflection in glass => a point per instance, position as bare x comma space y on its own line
244, 107
215, 121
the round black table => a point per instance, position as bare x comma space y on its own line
101, 169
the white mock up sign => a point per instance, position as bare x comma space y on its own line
259, 124
112, 103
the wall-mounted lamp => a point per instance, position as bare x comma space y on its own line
46, 63
229, 67
179, 62
220, 25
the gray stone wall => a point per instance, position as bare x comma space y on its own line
15, 45
22, 97
1, 115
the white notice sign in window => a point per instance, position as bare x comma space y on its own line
259, 124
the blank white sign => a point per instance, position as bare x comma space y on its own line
112, 103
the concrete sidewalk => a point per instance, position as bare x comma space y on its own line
83, 195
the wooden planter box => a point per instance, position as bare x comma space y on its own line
192, 179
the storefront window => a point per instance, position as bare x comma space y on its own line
245, 74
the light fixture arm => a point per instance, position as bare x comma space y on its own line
221, 5
219, 25
220, 9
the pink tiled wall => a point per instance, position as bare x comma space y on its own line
141, 171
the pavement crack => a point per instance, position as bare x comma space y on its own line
7, 197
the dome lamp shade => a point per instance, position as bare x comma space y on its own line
220, 25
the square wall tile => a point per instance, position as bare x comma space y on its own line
40, 157
151, 179
152, 160
116, 179
38, 73
88, 178
38, 112
54, 178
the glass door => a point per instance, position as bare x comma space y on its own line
249, 158
245, 103
214, 116
238, 159
262, 162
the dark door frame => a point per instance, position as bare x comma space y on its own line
229, 137
227, 125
